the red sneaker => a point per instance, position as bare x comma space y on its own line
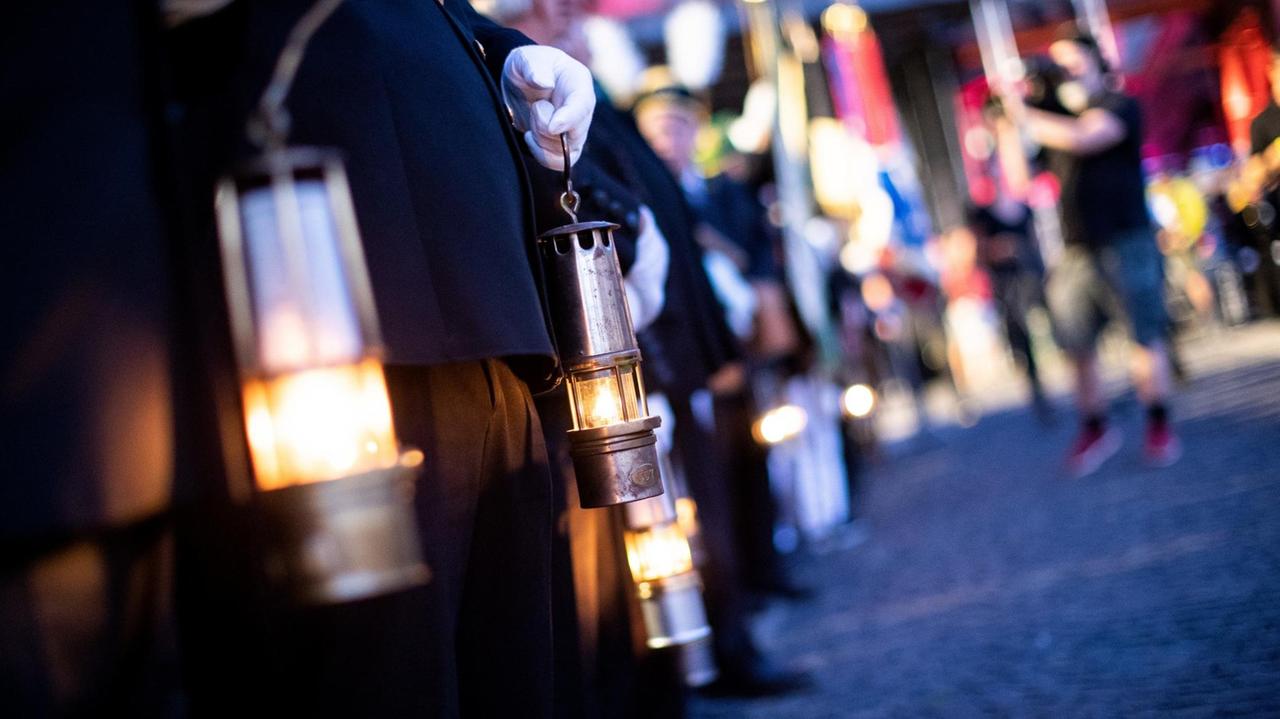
1092, 448
1162, 447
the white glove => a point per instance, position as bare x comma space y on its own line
549, 93
646, 282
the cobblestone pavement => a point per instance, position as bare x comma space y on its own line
992, 585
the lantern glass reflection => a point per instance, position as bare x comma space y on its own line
598, 403
780, 424
315, 398
301, 297
658, 552
332, 487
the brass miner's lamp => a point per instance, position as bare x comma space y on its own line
612, 442
330, 482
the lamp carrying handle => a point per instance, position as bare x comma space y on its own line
569, 198
268, 126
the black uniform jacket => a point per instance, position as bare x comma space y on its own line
406, 90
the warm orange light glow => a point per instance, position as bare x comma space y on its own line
319, 424
600, 403
780, 424
658, 552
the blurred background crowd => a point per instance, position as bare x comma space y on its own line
911, 244
858, 229
880, 248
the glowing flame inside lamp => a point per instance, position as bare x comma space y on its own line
858, 401
669, 589
603, 407
658, 552
320, 424
780, 424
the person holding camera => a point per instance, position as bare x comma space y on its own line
1111, 267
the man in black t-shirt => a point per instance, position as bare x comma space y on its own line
1112, 267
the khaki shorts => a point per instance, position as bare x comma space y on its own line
1122, 281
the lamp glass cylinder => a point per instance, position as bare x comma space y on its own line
331, 482
608, 396
658, 552
661, 563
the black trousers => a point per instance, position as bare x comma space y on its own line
603, 670
725, 594
747, 470
475, 641
484, 510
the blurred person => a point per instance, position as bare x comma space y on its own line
90, 369
435, 110
1111, 267
1218, 257
966, 292
688, 347
1007, 250
740, 252
859, 349
909, 306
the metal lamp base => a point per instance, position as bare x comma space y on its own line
616, 464
697, 662
345, 539
673, 611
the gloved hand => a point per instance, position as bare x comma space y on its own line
646, 282
549, 93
